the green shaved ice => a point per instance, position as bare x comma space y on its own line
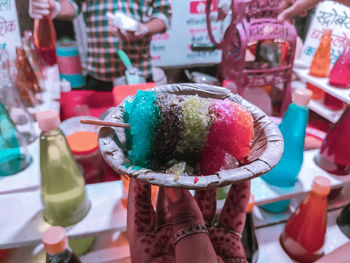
128, 107
195, 116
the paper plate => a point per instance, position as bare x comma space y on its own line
266, 150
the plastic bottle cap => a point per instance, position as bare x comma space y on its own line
55, 240
321, 185
65, 86
83, 142
48, 120
251, 203
301, 96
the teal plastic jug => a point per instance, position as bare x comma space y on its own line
293, 128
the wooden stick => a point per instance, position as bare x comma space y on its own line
106, 123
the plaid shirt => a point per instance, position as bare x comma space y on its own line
103, 62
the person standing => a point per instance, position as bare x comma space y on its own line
104, 40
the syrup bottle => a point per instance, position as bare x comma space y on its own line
321, 61
293, 128
14, 155
62, 183
332, 102
56, 246
304, 233
334, 156
340, 73
317, 93
27, 43
23, 62
44, 38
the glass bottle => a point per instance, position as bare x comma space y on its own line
249, 240
44, 38
62, 183
304, 233
321, 60
27, 95
11, 100
56, 246
27, 43
334, 155
340, 73
23, 62
13, 151
14, 156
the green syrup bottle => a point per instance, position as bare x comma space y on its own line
62, 183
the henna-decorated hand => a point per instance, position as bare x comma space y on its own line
150, 234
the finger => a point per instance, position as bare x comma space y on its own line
183, 208
41, 5
303, 14
234, 211
36, 16
120, 35
116, 31
162, 210
141, 216
185, 213
297, 8
286, 3
51, 4
40, 13
206, 200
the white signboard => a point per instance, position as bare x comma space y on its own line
9, 29
188, 26
332, 15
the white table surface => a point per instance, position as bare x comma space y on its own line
22, 222
114, 247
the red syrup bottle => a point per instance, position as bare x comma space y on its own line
334, 156
44, 38
332, 102
304, 233
340, 73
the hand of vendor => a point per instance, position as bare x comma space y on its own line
126, 35
40, 8
291, 8
181, 230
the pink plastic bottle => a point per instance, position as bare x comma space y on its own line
340, 74
334, 156
304, 234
